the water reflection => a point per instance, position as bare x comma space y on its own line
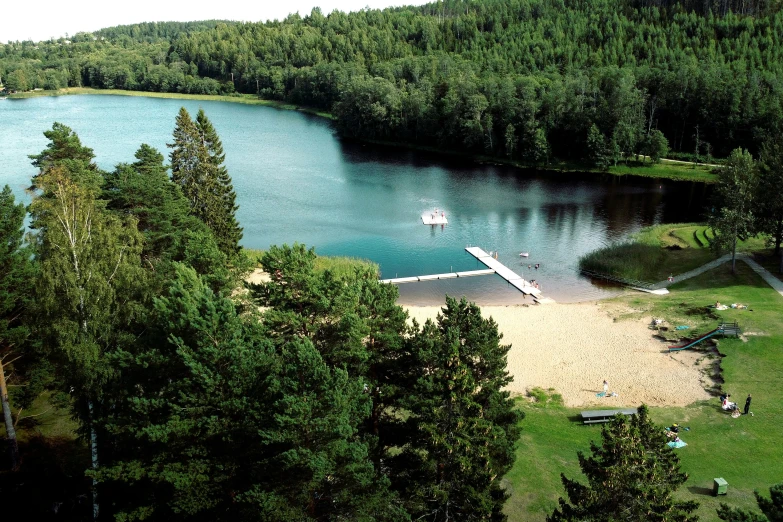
296, 182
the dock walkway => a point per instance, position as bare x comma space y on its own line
433, 277
506, 273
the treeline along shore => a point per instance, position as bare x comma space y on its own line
530, 81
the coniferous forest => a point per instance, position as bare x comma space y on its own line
528, 80
199, 397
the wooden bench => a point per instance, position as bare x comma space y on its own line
595, 416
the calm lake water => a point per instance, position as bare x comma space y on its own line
297, 182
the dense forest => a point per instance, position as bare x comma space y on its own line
528, 80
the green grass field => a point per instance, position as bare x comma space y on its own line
747, 451
655, 252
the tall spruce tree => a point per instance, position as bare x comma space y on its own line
631, 476
197, 167
733, 219
463, 425
90, 271
16, 277
222, 219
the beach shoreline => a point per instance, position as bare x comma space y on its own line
572, 348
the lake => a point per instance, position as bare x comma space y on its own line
297, 182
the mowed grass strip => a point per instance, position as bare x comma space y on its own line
747, 451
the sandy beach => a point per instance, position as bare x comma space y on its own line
573, 348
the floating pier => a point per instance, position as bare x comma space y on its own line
506, 273
450, 275
434, 218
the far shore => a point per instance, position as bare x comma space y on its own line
668, 169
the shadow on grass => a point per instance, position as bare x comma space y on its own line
699, 490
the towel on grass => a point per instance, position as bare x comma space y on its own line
600, 394
675, 445
684, 327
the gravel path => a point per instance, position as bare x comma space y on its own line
765, 274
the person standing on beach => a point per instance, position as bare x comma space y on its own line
606, 387
747, 405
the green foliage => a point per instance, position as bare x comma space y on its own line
238, 425
631, 476
222, 207
734, 219
65, 149
17, 275
463, 425
771, 508
597, 150
197, 168
656, 146
769, 196
457, 75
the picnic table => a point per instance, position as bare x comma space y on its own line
595, 416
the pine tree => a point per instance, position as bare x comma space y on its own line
16, 279
222, 424
632, 475
65, 149
462, 425
143, 189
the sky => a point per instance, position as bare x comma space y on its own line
43, 19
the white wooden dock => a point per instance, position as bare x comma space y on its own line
434, 277
506, 273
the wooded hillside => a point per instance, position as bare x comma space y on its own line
523, 79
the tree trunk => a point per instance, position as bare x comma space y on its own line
13, 447
94, 455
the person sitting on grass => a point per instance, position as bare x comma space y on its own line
728, 405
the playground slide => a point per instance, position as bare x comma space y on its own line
688, 344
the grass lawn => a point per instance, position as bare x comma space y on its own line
747, 452
655, 252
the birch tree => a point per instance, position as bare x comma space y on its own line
89, 262
733, 219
